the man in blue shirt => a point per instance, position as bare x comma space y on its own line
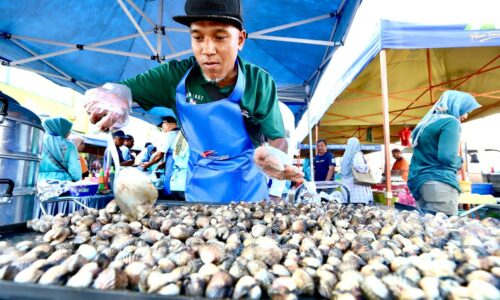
119, 139
324, 163
127, 147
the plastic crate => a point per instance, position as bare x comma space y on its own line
482, 188
80, 189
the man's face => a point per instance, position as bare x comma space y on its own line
166, 127
129, 143
215, 46
321, 148
396, 154
119, 141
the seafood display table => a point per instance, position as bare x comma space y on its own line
30, 291
70, 204
12, 290
250, 249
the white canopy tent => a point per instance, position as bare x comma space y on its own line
366, 36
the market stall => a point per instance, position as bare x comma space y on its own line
423, 48
307, 249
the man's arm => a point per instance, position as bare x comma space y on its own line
331, 167
331, 172
157, 156
127, 163
279, 143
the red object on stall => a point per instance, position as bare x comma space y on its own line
404, 136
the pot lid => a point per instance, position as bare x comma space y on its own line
11, 109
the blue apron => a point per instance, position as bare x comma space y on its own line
221, 167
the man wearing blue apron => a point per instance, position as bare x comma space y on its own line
225, 107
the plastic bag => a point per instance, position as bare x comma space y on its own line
276, 163
307, 194
109, 106
47, 189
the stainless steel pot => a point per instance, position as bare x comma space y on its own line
21, 134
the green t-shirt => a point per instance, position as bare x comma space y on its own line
259, 104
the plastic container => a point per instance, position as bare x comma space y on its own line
83, 189
379, 197
482, 188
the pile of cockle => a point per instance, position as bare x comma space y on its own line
259, 250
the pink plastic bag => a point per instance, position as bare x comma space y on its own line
405, 197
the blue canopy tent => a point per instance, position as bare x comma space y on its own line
424, 47
83, 44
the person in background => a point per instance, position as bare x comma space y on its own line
145, 154
180, 157
119, 139
435, 161
128, 144
306, 167
162, 158
59, 156
324, 163
80, 146
95, 166
353, 158
401, 165
169, 130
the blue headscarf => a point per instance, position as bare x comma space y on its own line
353, 147
56, 131
452, 104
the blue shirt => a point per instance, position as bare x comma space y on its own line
321, 165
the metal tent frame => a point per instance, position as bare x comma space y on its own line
290, 94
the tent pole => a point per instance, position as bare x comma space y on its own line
137, 9
39, 57
387, 138
117, 52
429, 74
292, 40
52, 75
160, 23
317, 132
294, 24
292, 99
137, 27
43, 60
73, 47
177, 54
169, 42
311, 157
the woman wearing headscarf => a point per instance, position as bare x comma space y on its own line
59, 156
353, 158
435, 162
80, 146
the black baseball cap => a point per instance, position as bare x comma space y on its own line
225, 11
167, 119
128, 137
119, 133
